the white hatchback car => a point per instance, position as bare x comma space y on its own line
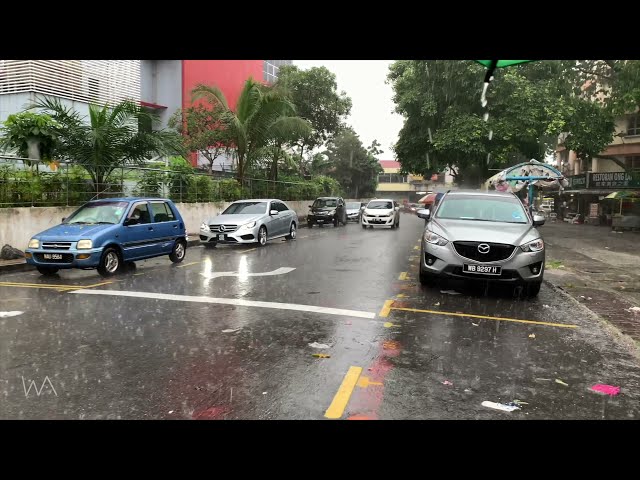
381, 213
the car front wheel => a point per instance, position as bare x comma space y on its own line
262, 236
109, 263
292, 232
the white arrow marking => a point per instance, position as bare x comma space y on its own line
278, 271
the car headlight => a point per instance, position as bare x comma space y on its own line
534, 246
84, 244
204, 227
34, 243
434, 238
247, 226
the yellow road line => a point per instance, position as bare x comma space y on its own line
386, 308
188, 264
403, 276
499, 319
340, 401
51, 286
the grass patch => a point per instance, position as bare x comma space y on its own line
554, 264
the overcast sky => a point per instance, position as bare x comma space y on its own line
372, 114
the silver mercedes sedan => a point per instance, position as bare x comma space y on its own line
250, 221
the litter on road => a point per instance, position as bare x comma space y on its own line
321, 355
10, 314
561, 382
475, 324
447, 382
450, 292
230, 330
319, 345
533, 335
634, 309
500, 406
606, 389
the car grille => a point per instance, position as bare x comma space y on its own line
227, 228
56, 245
66, 258
497, 251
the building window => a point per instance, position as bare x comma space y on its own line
270, 69
392, 178
632, 163
633, 127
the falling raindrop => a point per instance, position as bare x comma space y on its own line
488, 158
483, 98
486, 116
430, 137
490, 134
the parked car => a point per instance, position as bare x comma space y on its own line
250, 221
327, 210
353, 211
381, 213
485, 236
104, 234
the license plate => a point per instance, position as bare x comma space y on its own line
320, 221
220, 237
52, 256
482, 269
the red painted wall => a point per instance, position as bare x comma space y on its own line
228, 75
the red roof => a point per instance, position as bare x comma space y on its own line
389, 164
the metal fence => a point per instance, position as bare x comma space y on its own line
25, 183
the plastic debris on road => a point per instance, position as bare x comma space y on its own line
533, 335
561, 382
450, 292
447, 382
500, 406
321, 355
170, 411
475, 324
319, 345
520, 402
437, 304
632, 309
606, 389
10, 314
546, 306
264, 393
467, 390
230, 330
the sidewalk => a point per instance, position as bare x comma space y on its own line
599, 268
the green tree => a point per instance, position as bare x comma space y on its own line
315, 95
21, 132
204, 130
263, 115
109, 139
352, 165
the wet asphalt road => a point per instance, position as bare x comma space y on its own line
156, 343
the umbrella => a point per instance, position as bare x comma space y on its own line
621, 194
431, 198
491, 65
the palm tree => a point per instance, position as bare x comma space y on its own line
110, 139
264, 116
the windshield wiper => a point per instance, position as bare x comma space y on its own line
77, 223
103, 223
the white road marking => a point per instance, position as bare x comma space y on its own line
278, 271
230, 301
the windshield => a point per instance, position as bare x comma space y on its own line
353, 205
325, 203
246, 208
485, 209
380, 205
98, 213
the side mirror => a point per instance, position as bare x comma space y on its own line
273, 212
130, 221
538, 220
397, 208
424, 213
63, 219
362, 207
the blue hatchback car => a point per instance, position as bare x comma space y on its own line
104, 234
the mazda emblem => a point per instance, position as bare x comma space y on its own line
484, 248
